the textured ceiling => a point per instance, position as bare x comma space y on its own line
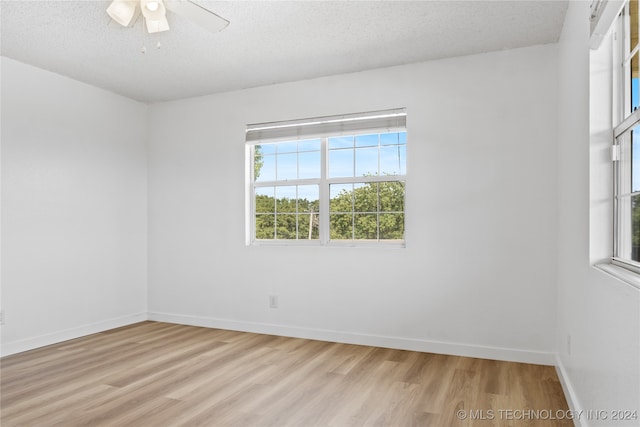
267, 41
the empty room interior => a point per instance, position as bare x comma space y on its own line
320, 213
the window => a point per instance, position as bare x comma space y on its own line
626, 148
329, 180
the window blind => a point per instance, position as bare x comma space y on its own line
347, 124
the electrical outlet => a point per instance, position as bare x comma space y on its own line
273, 301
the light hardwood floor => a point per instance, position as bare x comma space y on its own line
159, 374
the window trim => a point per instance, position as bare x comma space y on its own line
621, 271
625, 120
609, 17
390, 124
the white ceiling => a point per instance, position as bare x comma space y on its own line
267, 41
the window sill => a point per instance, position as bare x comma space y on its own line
331, 244
623, 274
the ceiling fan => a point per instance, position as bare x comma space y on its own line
126, 12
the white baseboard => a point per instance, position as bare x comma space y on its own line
68, 334
457, 349
569, 393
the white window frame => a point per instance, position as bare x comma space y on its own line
323, 128
625, 121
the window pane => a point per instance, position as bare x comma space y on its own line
308, 226
367, 140
287, 147
308, 212
309, 165
341, 142
628, 206
391, 160
392, 196
286, 199
633, 25
265, 201
631, 64
309, 145
365, 197
340, 163
403, 160
287, 166
393, 138
258, 161
341, 226
635, 159
634, 75
341, 198
264, 168
265, 226
308, 198
366, 226
629, 228
366, 223
391, 226
267, 148
367, 161
286, 226
635, 228
389, 138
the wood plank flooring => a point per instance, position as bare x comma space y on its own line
159, 374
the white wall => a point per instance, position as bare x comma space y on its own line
74, 208
601, 315
478, 274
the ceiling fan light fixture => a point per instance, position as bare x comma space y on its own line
123, 11
153, 9
152, 6
126, 13
154, 15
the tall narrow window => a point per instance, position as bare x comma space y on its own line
626, 148
338, 179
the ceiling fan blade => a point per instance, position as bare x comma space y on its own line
198, 14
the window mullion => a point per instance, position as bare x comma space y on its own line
353, 208
288, 182
324, 192
366, 179
627, 195
252, 202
